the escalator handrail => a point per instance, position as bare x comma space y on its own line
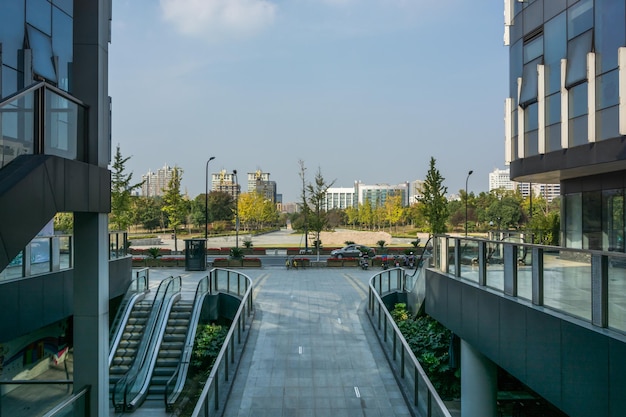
137, 290
143, 378
121, 386
180, 374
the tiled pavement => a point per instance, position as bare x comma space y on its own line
312, 351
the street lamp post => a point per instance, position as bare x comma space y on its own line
466, 179
236, 209
206, 200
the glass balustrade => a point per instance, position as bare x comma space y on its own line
590, 285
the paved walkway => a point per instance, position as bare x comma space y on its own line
312, 351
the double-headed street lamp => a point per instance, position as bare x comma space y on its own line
466, 179
206, 200
236, 209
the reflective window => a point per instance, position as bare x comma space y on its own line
572, 204
62, 45
66, 5
515, 68
553, 137
579, 18
609, 33
529, 83
607, 90
578, 103
530, 128
9, 81
553, 109
530, 117
41, 45
607, 123
555, 49
533, 49
533, 16
11, 31
592, 220
577, 50
39, 15
553, 7
578, 131
613, 220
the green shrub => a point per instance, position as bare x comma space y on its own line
430, 342
209, 341
236, 253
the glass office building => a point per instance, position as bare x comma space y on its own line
55, 150
565, 115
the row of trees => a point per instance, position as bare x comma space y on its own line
498, 209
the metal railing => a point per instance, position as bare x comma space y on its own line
586, 284
139, 286
215, 391
47, 254
128, 392
416, 385
60, 406
41, 119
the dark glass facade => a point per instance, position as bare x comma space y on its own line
36, 38
564, 113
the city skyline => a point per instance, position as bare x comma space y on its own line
366, 90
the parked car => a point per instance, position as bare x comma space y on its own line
353, 251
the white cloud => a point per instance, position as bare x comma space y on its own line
211, 18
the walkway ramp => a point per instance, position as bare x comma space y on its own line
312, 351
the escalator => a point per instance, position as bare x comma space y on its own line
131, 389
126, 351
171, 350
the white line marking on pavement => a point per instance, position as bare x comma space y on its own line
339, 320
357, 392
300, 350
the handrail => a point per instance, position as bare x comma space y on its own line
381, 320
136, 292
37, 86
537, 277
224, 366
180, 374
61, 408
167, 288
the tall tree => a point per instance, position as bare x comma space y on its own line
317, 194
121, 192
433, 202
174, 206
304, 205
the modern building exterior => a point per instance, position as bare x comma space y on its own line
339, 198
155, 183
225, 182
344, 197
55, 137
259, 182
565, 116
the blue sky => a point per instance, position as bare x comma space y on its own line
364, 90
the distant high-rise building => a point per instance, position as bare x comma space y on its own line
499, 179
344, 197
259, 182
155, 183
225, 182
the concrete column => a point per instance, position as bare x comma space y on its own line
479, 383
91, 309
